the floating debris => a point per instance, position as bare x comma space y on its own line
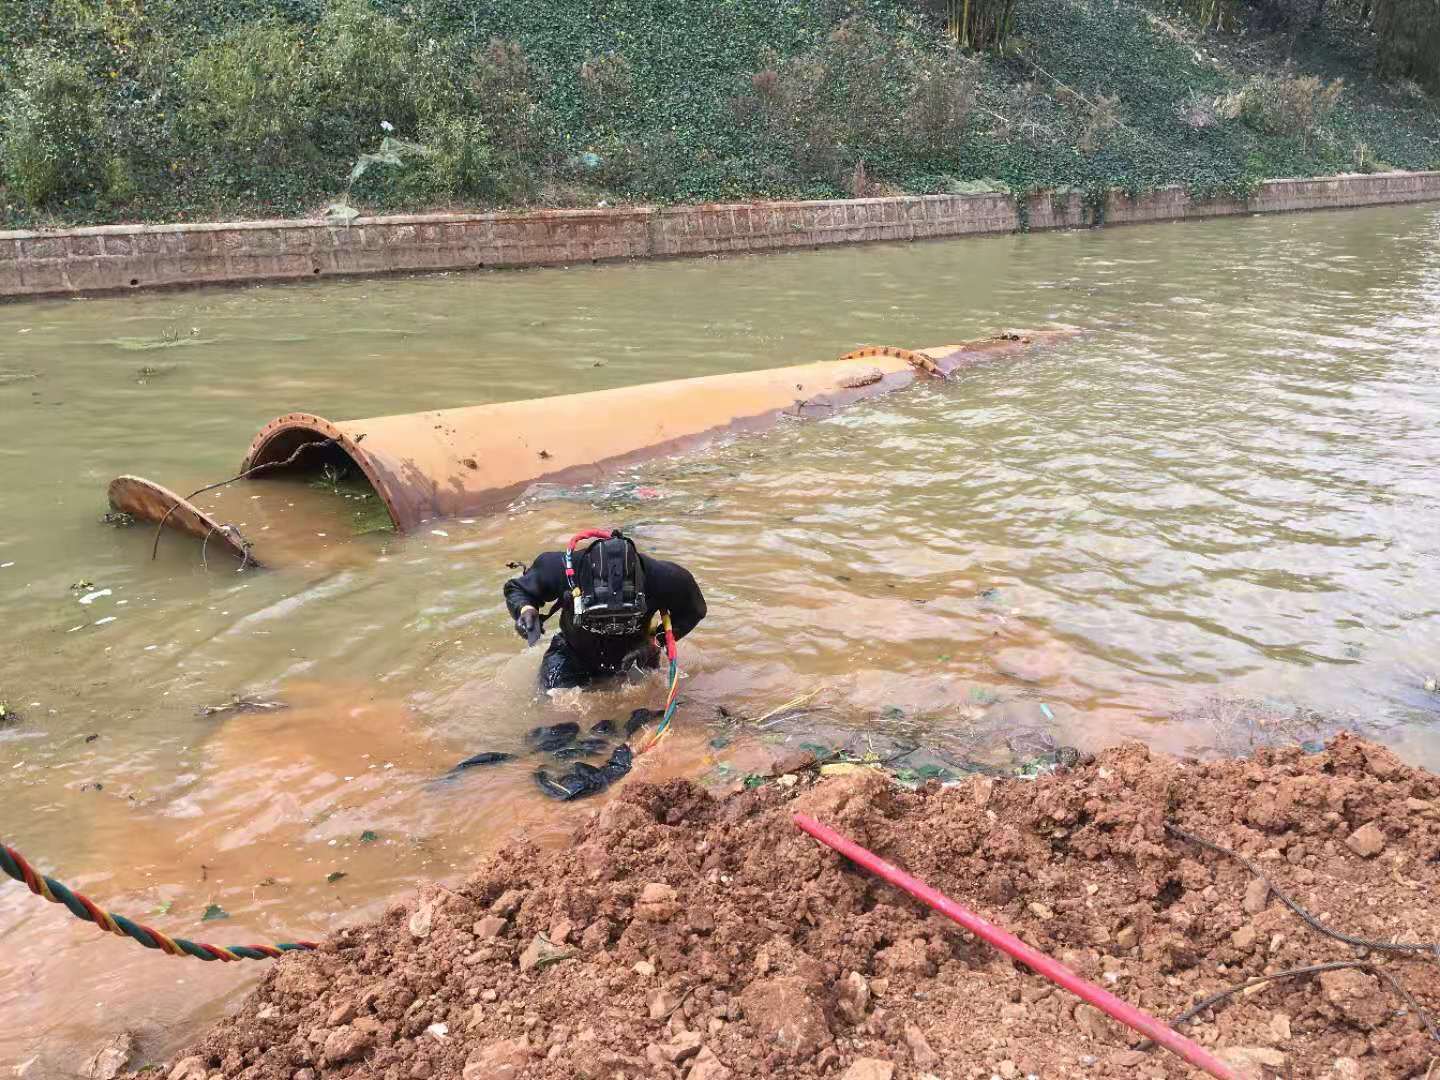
242, 705
489, 757
583, 779
552, 737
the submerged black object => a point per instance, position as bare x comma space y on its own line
583, 779
582, 748
552, 737
639, 718
489, 757
562, 742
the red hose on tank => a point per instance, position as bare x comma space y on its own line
1008, 943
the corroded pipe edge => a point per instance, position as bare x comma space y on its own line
145, 500
310, 424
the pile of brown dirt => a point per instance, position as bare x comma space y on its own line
688, 936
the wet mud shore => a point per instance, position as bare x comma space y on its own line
685, 935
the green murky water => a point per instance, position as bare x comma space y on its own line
1227, 488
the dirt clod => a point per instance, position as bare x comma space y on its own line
780, 959
1366, 841
682, 1047
542, 951
351, 1041
1357, 996
854, 998
708, 1067
784, 1013
492, 926
920, 1051
504, 1059
869, 1069
1252, 1061
110, 1060
1257, 896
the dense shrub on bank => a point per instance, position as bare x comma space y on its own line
111, 110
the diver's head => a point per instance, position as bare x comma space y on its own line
607, 584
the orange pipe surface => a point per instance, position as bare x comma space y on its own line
451, 462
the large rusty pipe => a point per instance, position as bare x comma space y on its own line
446, 463
450, 462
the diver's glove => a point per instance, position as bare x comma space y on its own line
527, 625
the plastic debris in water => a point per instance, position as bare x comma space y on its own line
552, 737
90, 598
639, 718
242, 705
582, 748
489, 757
583, 779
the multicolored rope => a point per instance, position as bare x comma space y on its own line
14, 864
670, 701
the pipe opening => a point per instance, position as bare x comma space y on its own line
316, 457
309, 459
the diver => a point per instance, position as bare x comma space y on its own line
608, 596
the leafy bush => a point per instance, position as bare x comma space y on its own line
1408, 35
461, 165
211, 108
940, 96
51, 144
861, 95
608, 86
250, 98
1285, 105
506, 95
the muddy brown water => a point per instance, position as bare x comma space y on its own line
1227, 488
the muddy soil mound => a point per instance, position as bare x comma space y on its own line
688, 936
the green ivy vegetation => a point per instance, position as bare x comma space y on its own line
114, 110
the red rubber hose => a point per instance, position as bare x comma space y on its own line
589, 534
1012, 946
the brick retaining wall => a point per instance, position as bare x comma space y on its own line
112, 257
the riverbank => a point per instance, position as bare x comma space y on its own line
274, 110
684, 935
123, 257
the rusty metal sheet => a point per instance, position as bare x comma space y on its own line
145, 500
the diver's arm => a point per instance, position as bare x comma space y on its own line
672, 588
542, 584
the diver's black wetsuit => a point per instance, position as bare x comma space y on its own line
576, 656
